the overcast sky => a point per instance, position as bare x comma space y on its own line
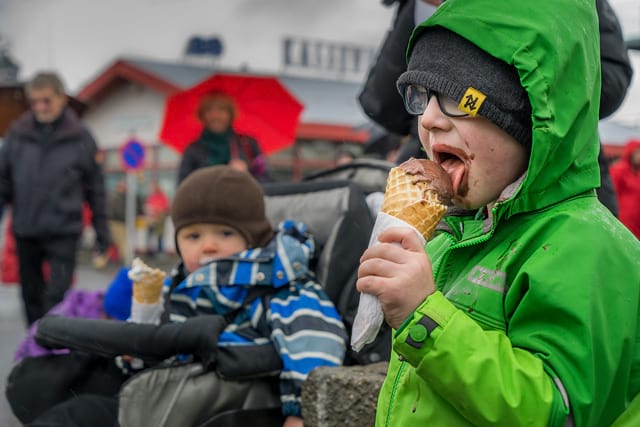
80, 37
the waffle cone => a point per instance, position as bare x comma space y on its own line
147, 286
412, 202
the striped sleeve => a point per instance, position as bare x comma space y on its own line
307, 332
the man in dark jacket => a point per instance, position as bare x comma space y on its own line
48, 169
380, 100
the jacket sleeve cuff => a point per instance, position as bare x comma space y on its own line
292, 408
420, 331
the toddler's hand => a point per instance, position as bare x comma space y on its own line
398, 272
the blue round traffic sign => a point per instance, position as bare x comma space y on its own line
132, 153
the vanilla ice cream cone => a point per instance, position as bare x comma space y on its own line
147, 282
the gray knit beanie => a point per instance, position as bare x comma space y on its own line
222, 195
447, 63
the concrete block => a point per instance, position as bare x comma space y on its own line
342, 396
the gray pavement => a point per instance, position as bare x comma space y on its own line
12, 324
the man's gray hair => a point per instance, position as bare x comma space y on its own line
44, 80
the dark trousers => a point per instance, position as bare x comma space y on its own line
60, 253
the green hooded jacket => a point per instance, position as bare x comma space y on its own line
538, 308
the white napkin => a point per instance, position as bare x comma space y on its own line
149, 314
369, 316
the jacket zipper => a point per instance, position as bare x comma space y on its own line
444, 264
393, 393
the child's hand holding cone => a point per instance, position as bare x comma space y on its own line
417, 193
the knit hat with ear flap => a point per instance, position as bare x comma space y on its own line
222, 195
449, 64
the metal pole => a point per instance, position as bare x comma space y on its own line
130, 217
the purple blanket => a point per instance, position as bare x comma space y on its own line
77, 303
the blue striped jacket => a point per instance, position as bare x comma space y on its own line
299, 319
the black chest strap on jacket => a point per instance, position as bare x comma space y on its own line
253, 294
231, 363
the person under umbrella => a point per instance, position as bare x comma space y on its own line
219, 144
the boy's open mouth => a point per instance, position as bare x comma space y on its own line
455, 163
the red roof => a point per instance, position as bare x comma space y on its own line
331, 132
124, 70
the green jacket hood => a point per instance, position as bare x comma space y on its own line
559, 66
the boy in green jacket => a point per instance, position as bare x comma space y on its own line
524, 311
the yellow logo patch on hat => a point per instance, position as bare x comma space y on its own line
471, 101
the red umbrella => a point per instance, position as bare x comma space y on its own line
267, 111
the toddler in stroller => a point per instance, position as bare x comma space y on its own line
259, 281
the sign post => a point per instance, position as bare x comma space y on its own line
132, 155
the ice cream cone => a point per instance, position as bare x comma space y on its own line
423, 216
413, 201
147, 282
